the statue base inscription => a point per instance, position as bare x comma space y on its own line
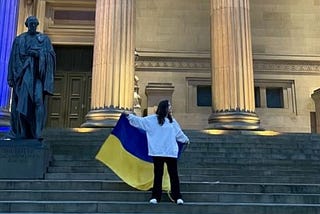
24, 159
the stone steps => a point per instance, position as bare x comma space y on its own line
236, 172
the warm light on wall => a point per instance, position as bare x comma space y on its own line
84, 130
215, 131
245, 132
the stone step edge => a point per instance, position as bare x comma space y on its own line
162, 203
182, 182
148, 192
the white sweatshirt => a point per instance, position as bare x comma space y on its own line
162, 140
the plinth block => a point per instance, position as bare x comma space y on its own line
24, 159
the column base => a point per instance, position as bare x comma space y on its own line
234, 121
103, 118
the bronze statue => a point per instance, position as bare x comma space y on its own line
31, 70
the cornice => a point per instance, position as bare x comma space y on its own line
172, 64
200, 62
174, 61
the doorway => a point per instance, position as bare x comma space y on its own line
70, 103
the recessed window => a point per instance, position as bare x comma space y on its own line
74, 15
278, 95
199, 99
257, 98
274, 97
204, 95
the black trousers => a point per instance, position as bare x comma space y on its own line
172, 165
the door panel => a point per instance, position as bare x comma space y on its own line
56, 102
76, 95
88, 95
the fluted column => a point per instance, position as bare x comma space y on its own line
27, 8
8, 23
113, 62
232, 71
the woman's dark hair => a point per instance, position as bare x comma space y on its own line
163, 112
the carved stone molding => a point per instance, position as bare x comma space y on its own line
286, 67
172, 64
201, 62
174, 61
70, 22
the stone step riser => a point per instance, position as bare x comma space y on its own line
222, 167
203, 166
101, 137
208, 162
254, 171
135, 196
211, 145
208, 155
185, 186
125, 207
104, 132
266, 152
196, 137
197, 156
216, 163
195, 178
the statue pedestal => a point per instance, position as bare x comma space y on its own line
23, 159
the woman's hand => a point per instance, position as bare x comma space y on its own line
125, 113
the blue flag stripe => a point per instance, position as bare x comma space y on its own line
134, 140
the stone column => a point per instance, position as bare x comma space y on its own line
8, 21
232, 71
113, 62
27, 8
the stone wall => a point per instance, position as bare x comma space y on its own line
173, 25
285, 40
286, 27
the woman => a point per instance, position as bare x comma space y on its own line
162, 132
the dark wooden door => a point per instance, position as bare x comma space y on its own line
70, 103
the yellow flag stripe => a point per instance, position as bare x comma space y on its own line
132, 170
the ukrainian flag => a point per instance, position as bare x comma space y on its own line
125, 151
